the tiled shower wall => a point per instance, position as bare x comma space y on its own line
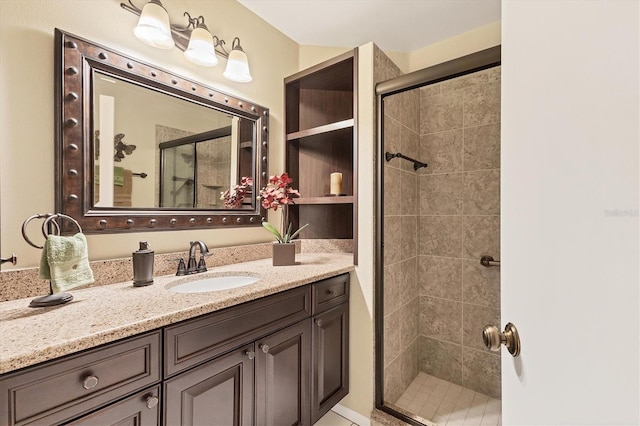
438, 222
401, 298
459, 221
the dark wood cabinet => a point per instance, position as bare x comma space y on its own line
141, 409
330, 344
217, 393
283, 361
321, 128
64, 389
191, 342
330, 354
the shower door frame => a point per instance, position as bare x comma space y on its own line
468, 64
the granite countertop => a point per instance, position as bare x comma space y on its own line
103, 314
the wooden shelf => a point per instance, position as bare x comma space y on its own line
321, 138
320, 130
343, 199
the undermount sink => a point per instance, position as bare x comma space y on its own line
217, 283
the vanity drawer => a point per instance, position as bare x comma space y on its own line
330, 292
198, 340
66, 388
140, 409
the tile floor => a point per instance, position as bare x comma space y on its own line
333, 419
448, 404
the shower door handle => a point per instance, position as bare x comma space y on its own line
493, 338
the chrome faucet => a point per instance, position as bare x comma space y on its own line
192, 266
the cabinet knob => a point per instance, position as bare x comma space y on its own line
250, 354
152, 401
90, 382
264, 348
319, 322
332, 293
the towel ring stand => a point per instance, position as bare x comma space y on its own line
49, 219
49, 223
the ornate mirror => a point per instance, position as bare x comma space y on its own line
140, 148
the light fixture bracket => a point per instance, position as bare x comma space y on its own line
182, 33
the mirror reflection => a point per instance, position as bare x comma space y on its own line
167, 152
141, 148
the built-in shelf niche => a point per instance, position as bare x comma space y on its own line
320, 126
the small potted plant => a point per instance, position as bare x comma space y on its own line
278, 194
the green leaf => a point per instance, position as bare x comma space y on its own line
287, 238
295, 234
274, 231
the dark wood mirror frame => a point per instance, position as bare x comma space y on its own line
75, 60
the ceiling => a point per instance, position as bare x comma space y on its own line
394, 25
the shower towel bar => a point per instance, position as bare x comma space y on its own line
489, 261
416, 164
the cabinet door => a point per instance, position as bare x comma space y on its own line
141, 409
282, 377
330, 360
218, 393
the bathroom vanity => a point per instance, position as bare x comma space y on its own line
273, 353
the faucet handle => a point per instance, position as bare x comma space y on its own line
202, 266
182, 269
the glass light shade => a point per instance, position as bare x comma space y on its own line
237, 67
200, 50
153, 26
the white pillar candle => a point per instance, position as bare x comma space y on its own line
336, 183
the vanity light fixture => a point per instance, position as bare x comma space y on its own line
201, 50
194, 39
237, 64
153, 26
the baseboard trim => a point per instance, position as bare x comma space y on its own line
351, 415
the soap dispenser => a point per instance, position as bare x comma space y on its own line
142, 265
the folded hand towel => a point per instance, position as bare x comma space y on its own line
65, 261
118, 175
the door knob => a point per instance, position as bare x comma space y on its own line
493, 338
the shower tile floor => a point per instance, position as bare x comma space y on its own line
448, 404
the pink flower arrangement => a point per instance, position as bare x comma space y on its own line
279, 194
234, 197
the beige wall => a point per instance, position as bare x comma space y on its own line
27, 110
463, 44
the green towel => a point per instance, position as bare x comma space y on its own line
65, 261
118, 175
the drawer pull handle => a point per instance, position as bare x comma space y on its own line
90, 382
332, 293
250, 354
319, 322
264, 348
152, 401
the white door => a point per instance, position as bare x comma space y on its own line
570, 185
